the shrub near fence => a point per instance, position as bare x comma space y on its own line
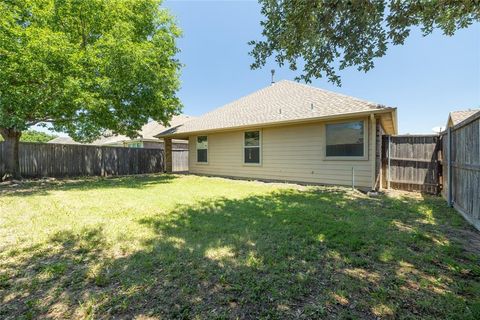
60, 160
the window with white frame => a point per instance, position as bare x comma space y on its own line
202, 149
345, 139
135, 144
251, 146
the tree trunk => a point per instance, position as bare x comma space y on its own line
12, 161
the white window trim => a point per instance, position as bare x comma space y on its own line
260, 155
196, 150
347, 158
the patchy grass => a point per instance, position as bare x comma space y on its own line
193, 247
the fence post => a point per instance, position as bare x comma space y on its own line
388, 163
168, 155
353, 178
449, 176
102, 162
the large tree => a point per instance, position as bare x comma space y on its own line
86, 66
323, 35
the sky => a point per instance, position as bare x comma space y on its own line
425, 79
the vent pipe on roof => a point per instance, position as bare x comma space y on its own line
273, 74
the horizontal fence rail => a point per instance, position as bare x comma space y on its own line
60, 160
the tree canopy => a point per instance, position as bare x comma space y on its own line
327, 36
86, 66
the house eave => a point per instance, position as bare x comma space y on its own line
185, 135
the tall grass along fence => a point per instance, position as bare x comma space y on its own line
448, 163
60, 160
461, 168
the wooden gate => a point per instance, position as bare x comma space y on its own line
179, 160
411, 163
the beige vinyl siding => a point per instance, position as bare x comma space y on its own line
288, 153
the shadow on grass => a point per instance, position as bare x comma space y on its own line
288, 254
44, 186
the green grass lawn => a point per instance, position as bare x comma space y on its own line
195, 247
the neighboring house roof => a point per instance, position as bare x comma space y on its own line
284, 101
147, 133
63, 140
151, 129
456, 117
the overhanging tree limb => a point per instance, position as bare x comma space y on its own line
327, 36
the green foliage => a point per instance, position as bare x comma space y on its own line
321, 34
87, 66
35, 136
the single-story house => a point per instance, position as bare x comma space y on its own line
455, 117
146, 137
289, 132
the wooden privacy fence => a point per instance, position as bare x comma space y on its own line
461, 168
59, 160
447, 163
411, 163
180, 160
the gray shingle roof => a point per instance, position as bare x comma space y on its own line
282, 101
148, 132
63, 140
151, 129
459, 116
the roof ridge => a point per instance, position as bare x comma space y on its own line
336, 93
229, 104
466, 110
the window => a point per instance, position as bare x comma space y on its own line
345, 139
202, 149
251, 153
135, 145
